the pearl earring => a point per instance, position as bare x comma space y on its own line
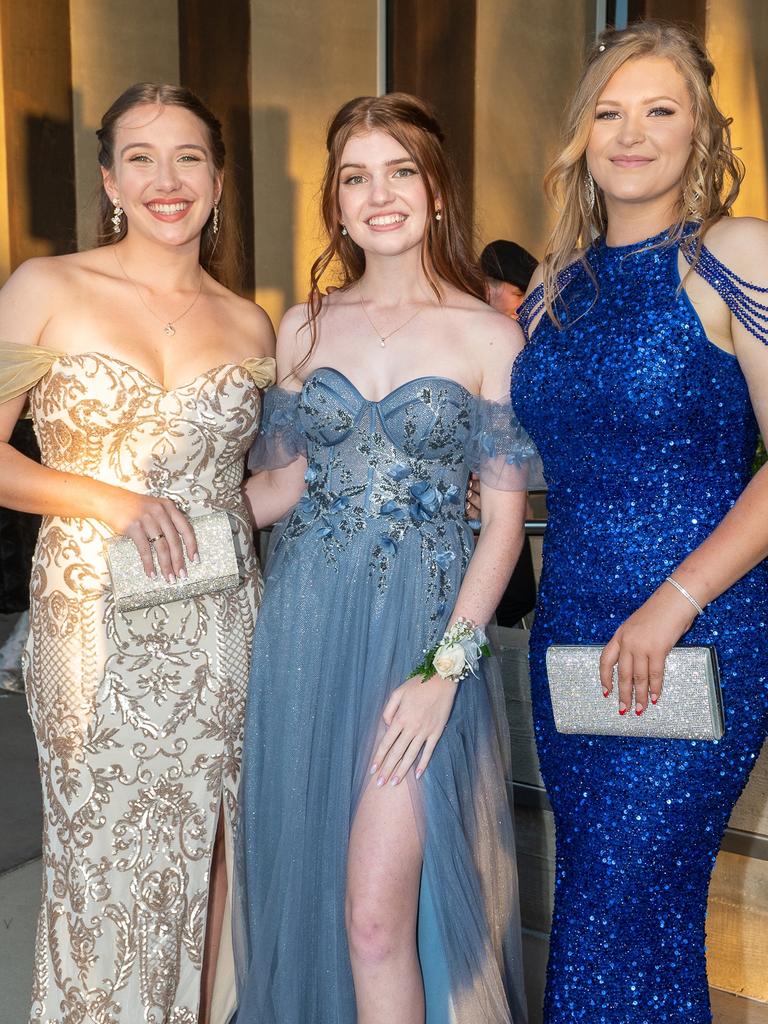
438, 214
343, 230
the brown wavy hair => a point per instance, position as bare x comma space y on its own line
447, 251
713, 174
220, 253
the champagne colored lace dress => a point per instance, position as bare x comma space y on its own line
138, 716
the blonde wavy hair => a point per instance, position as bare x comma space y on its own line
713, 174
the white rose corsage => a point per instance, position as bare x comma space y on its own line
458, 653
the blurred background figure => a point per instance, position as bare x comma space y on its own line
508, 268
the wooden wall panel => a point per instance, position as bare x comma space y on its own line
737, 926
431, 53
214, 58
38, 128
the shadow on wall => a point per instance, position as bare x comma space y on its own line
275, 219
50, 175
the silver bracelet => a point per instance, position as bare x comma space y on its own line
681, 590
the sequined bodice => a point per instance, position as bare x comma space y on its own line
402, 458
98, 416
644, 426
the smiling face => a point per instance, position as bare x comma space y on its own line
382, 197
642, 135
163, 173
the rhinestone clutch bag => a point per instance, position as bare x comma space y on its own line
220, 567
690, 706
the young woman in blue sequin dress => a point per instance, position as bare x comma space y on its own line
376, 851
643, 396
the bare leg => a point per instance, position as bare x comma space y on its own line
217, 898
383, 878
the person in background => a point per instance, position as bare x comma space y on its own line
508, 269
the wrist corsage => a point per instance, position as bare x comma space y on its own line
458, 653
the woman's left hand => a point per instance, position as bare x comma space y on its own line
415, 716
640, 647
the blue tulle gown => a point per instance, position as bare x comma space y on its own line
647, 436
362, 577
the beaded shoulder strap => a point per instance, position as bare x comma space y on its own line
739, 295
528, 312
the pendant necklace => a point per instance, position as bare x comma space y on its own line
384, 337
168, 325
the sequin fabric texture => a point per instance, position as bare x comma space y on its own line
361, 579
646, 433
137, 715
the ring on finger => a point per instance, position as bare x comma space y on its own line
153, 539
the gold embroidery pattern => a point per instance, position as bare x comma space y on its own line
138, 716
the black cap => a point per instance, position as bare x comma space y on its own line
508, 261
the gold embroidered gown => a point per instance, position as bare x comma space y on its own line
138, 715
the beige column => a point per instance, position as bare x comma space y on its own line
5, 227
528, 59
307, 58
114, 44
737, 37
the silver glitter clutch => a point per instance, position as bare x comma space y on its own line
690, 707
220, 567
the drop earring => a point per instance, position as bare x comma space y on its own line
117, 221
438, 214
215, 225
589, 191
343, 230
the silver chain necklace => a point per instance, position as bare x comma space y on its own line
384, 337
168, 325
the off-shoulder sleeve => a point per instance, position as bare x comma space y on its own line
21, 367
745, 300
281, 439
500, 451
263, 370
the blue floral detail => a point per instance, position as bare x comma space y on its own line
310, 475
387, 545
452, 494
393, 509
426, 501
339, 505
444, 558
306, 507
398, 472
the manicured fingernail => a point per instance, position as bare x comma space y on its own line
394, 780
374, 768
419, 772
379, 781
606, 693
639, 709
654, 700
196, 559
622, 709
171, 578
153, 576
182, 574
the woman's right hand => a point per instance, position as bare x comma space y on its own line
154, 522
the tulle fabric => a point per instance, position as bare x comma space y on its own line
280, 440
21, 367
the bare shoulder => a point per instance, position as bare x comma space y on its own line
537, 278
741, 243
31, 296
293, 340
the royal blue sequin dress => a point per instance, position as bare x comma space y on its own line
647, 435
363, 577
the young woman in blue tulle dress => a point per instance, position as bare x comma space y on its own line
645, 370
376, 857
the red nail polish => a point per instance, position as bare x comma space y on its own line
606, 693
622, 712
654, 701
638, 713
